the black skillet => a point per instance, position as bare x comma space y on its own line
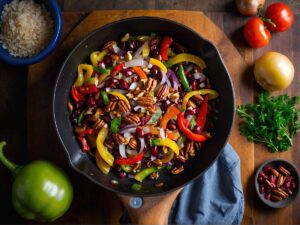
216, 71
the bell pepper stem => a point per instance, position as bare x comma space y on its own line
9, 165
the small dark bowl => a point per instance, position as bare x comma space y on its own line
55, 12
289, 166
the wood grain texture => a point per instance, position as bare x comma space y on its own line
194, 5
41, 79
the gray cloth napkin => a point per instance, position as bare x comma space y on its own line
214, 198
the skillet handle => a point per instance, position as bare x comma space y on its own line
154, 210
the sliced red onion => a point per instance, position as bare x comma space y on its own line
174, 79
138, 52
125, 114
101, 85
131, 175
128, 130
117, 49
142, 144
199, 76
133, 86
164, 77
122, 150
131, 152
152, 157
127, 135
146, 130
136, 108
132, 125
189, 68
189, 117
136, 62
168, 83
162, 133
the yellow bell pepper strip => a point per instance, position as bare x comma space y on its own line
171, 112
102, 165
86, 70
119, 95
102, 78
212, 94
97, 56
102, 150
186, 57
168, 143
159, 64
139, 71
168, 157
146, 50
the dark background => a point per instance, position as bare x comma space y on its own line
13, 81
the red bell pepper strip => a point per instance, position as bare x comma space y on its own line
129, 161
84, 145
201, 118
183, 126
88, 89
164, 47
77, 97
117, 69
86, 131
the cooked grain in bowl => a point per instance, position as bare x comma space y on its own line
26, 28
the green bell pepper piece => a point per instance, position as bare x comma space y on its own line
114, 124
145, 173
41, 191
104, 97
183, 79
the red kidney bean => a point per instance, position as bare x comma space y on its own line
127, 72
154, 151
130, 46
114, 83
189, 75
91, 101
107, 119
147, 138
194, 84
154, 70
262, 189
260, 179
140, 132
264, 175
121, 174
197, 129
267, 168
165, 104
172, 125
287, 185
268, 196
107, 61
144, 120
191, 111
124, 84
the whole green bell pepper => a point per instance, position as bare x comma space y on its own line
41, 191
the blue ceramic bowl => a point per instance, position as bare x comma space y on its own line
53, 7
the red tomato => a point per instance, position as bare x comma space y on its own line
255, 33
281, 15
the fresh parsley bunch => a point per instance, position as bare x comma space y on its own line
272, 121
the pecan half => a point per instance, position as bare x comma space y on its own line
177, 170
124, 106
133, 143
157, 162
98, 125
151, 109
98, 112
109, 46
146, 101
174, 97
132, 118
119, 139
150, 84
154, 176
181, 158
162, 92
111, 106
197, 146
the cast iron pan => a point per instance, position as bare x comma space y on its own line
216, 71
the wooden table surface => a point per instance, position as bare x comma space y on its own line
13, 121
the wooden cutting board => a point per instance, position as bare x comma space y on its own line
93, 204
